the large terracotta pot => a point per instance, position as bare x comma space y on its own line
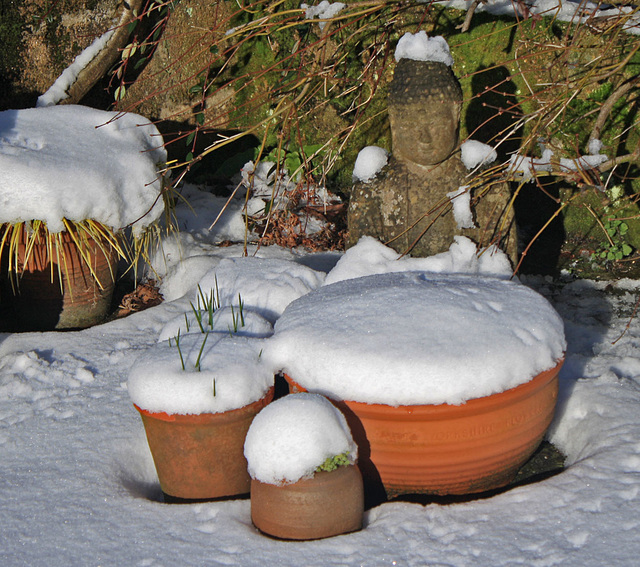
37, 300
329, 504
449, 449
201, 457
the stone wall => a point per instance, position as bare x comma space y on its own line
41, 38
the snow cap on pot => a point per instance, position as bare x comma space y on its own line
73, 163
297, 436
199, 373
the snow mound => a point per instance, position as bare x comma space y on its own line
243, 323
416, 338
291, 437
266, 286
420, 47
461, 201
474, 153
370, 161
370, 257
78, 163
58, 91
231, 376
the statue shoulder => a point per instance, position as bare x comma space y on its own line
381, 180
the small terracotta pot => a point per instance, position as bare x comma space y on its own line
329, 504
449, 449
40, 302
201, 457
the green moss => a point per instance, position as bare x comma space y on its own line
590, 210
332, 463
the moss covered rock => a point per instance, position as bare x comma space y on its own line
41, 39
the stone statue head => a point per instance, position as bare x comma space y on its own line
424, 106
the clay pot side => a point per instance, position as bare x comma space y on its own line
448, 449
40, 302
201, 457
329, 504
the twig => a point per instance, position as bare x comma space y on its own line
607, 107
628, 158
633, 316
601, 225
464, 27
544, 227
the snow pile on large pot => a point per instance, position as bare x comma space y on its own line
416, 337
78, 163
293, 436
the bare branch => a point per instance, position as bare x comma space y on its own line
464, 27
607, 107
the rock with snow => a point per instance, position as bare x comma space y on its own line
291, 437
59, 90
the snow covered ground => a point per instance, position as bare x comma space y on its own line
78, 485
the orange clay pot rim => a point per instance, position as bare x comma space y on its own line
309, 479
207, 417
474, 405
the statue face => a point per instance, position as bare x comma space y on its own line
426, 133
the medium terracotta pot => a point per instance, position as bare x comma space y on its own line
201, 457
329, 504
449, 449
39, 301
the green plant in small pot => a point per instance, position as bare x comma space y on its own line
302, 460
75, 180
197, 395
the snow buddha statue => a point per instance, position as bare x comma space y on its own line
406, 205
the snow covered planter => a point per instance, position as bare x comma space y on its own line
73, 179
302, 460
196, 403
448, 381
